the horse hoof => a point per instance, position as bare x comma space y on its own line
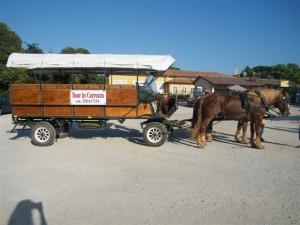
209, 140
201, 146
238, 140
244, 142
257, 146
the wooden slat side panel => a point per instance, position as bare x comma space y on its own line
94, 111
25, 86
27, 111
121, 112
30, 96
58, 111
144, 109
56, 97
57, 86
120, 86
121, 97
88, 86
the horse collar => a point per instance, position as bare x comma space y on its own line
263, 99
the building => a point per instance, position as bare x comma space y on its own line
221, 84
172, 81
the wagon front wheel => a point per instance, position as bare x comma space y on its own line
43, 134
155, 134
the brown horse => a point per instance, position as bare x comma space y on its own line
230, 107
270, 101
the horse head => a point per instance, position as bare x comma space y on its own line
277, 98
283, 102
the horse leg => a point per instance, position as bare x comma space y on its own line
252, 132
244, 137
238, 130
208, 134
202, 132
257, 142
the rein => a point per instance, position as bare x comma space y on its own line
263, 100
268, 106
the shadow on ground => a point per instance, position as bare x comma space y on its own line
24, 211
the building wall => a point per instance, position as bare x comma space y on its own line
132, 79
204, 85
162, 86
182, 89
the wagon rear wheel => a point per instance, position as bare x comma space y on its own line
43, 134
155, 134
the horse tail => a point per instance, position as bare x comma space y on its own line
197, 117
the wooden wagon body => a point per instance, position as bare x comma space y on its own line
56, 100
50, 109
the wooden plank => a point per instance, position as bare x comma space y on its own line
56, 97
30, 96
58, 111
57, 86
25, 86
121, 111
144, 109
120, 86
93, 111
121, 97
88, 86
27, 111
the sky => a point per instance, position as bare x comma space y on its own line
203, 35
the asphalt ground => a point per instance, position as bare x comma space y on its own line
111, 177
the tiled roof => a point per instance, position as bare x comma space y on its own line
191, 74
240, 81
226, 81
181, 81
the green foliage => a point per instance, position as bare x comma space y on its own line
174, 68
9, 42
33, 48
12, 75
289, 72
71, 50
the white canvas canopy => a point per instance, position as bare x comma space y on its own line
237, 88
56, 61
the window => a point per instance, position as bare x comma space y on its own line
174, 90
141, 83
192, 90
199, 89
119, 82
183, 90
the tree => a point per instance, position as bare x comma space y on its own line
9, 42
174, 68
33, 48
289, 72
78, 78
71, 50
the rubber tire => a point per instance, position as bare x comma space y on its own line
47, 126
158, 126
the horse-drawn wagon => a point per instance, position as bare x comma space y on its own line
49, 109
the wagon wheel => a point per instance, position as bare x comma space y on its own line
155, 134
43, 134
